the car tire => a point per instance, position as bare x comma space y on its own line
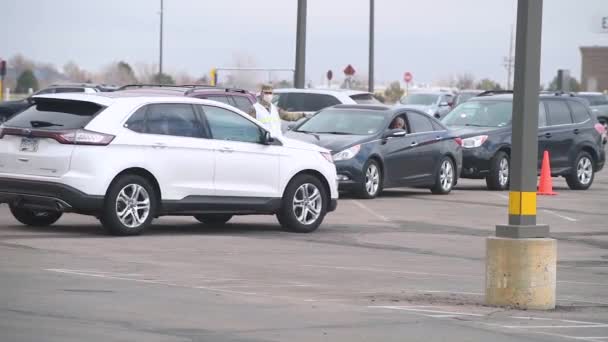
371, 186
500, 172
304, 205
35, 218
130, 206
213, 219
445, 178
582, 174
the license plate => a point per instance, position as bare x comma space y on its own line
28, 145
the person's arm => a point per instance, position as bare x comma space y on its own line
289, 116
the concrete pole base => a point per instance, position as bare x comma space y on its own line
521, 273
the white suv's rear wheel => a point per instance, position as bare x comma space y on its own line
129, 206
304, 205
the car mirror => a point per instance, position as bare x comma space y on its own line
394, 133
291, 126
267, 139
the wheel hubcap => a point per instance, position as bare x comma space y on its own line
372, 179
446, 175
133, 205
307, 203
584, 170
503, 172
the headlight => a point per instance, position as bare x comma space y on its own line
474, 141
349, 153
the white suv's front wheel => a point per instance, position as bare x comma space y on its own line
129, 206
304, 205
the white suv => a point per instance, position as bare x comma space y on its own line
128, 158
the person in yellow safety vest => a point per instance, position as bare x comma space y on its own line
268, 114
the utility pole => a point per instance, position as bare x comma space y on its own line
521, 261
160, 59
370, 82
300, 73
509, 61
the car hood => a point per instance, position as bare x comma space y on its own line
470, 131
332, 142
299, 144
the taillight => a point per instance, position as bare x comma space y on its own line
83, 137
458, 141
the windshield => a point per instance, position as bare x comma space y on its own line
420, 99
356, 122
480, 114
464, 97
595, 100
55, 115
365, 99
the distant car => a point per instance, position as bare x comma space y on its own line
238, 98
310, 101
371, 156
465, 95
9, 108
574, 138
434, 103
127, 158
599, 105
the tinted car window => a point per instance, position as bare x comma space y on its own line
580, 112
243, 103
136, 122
227, 125
303, 102
56, 115
542, 115
419, 123
420, 99
69, 90
172, 119
559, 113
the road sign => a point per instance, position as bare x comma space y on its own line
349, 70
330, 75
407, 77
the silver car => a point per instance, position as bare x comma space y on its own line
434, 103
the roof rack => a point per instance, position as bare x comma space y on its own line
235, 90
495, 92
152, 85
561, 93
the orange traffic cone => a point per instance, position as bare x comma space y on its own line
546, 183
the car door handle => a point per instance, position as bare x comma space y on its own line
226, 149
414, 144
576, 131
438, 138
159, 145
548, 135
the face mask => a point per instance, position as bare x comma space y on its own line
267, 98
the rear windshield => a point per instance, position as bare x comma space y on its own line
420, 99
595, 100
365, 99
56, 115
480, 114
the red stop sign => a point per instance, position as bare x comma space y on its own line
407, 77
349, 70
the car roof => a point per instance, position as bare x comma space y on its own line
430, 92
347, 92
110, 98
183, 90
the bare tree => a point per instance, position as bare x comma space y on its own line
146, 73
465, 81
73, 72
118, 73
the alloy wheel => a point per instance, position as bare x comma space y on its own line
584, 170
372, 179
307, 203
133, 205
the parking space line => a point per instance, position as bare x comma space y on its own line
555, 326
590, 339
364, 269
581, 283
560, 215
422, 310
369, 210
500, 195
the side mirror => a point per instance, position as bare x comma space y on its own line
267, 139
394, 133
291, 126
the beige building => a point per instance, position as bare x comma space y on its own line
594, 71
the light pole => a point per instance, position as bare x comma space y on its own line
300, 73
160, 55
370, 82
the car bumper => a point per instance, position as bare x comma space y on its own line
475, 163
350, 175
48, 196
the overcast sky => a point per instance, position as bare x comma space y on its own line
430, 38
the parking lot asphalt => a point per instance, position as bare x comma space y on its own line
408, 266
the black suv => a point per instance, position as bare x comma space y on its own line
9, 108
574, 138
